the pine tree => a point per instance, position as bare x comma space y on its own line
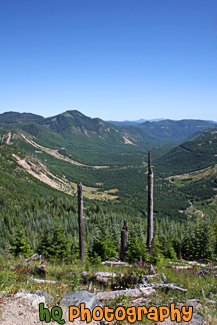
20, 245
54, 244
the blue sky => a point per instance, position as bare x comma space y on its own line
113, 59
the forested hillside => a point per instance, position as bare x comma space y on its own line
42, 160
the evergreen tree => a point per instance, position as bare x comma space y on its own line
20, 245
54, 244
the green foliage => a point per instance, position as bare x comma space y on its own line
198, 241
136, 249
156, 255
20, 245
6, 278
53, 244
104, 247
169, 251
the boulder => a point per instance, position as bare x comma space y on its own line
48, 298
32, 299
195, 320
78, 297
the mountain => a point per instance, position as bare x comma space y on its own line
124, 123
68, 124
192, 168
162, 132
12, 118
86, 140
140, 121
166, 131
95, 142
198, 153
76, 127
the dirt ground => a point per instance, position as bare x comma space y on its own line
20, 312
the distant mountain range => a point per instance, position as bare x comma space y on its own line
140, 121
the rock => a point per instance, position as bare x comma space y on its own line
33, 299
48, 298
36, 301
78, 297
195, 320
19, 295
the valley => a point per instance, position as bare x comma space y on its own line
46, 158
68, 144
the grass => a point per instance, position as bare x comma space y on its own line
94, 193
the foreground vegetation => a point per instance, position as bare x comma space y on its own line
16, 275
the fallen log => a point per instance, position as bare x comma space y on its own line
150, 276
114, 275
103, 274
108, 274
102, 280
42, 281
197, 264
116, 263
167, 286
181, 267
33, 258
190, 263
139, 302
110, 295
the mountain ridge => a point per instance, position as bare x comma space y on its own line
73, 122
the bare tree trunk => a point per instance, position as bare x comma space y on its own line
150, 204
81, 221
124, 240
118, 250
